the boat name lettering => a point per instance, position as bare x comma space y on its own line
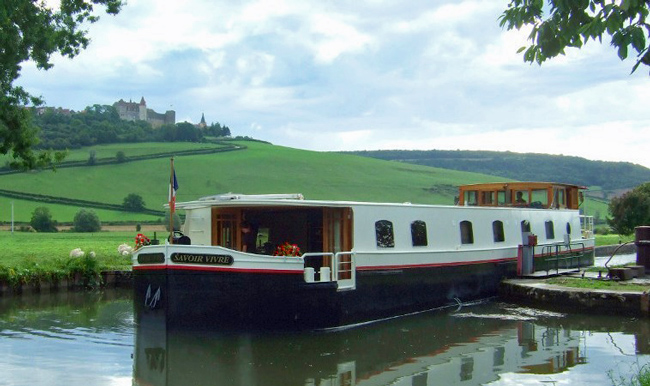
151, 258
202, 258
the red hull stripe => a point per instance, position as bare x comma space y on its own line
216, 269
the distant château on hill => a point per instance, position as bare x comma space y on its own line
132, 111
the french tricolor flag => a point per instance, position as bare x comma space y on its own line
173, 187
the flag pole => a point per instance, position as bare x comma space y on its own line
171, 204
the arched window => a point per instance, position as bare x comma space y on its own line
550, 231
568, 228
497, 231
525, 226
384, 234
466, 233
419, 233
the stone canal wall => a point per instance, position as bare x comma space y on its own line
537, 292
607, 250
106, 279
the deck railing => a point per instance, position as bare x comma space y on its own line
341, 268
587, 226
569, 254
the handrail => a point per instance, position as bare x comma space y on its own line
558, 250
338, 267
339, 263
616, 250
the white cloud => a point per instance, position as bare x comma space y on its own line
360, 75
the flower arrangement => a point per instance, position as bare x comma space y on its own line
141, 240
287, 249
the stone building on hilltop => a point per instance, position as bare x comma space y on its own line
132, 111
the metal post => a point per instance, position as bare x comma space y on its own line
642, 241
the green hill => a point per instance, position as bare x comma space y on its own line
255, 169
609, 177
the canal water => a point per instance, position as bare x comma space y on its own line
90, 339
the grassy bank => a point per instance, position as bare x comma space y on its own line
612, 239
31, 257
609, 285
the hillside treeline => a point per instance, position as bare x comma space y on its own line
610, 176
100, 124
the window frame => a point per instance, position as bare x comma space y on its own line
384, 234
550, 230
498, 232
466, 232
419, 237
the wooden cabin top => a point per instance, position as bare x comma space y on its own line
542, 195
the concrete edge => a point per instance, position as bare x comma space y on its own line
535, 292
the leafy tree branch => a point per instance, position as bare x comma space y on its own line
558, 24
32, 30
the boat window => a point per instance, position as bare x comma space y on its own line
466, 233
539, 198
471, 197
525, 226
568, 228
419, 233
487, 198
559, 198
501, 197
521, 197
384, 234
550, 232
497, 231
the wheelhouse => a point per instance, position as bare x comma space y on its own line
542, 195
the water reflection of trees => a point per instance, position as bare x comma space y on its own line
66, 310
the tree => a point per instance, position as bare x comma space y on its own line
133, 202
571, 23
86, 221
34, 31
42, 220
630, 210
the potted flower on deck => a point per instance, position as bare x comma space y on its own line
287, 249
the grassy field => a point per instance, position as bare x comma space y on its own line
262, 168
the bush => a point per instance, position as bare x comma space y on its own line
630, 210
42, 220
120, 156
602, 230
86, 221
133, 202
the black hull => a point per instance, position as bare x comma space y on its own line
207, 300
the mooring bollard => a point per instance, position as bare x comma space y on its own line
642, 242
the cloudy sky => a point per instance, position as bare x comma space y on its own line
358, 75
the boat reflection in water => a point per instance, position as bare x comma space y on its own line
471, 346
